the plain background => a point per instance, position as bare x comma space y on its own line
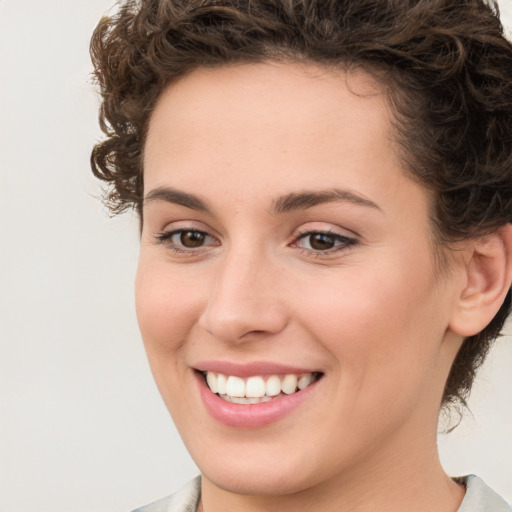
82, 427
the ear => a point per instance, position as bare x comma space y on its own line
488, 273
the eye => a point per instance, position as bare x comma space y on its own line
186, 240
323, 242
191, 239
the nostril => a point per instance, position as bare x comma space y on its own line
253, 332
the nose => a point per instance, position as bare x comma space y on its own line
245, 300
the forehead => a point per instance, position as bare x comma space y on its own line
271, 129
267, 104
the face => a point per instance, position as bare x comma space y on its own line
287, 260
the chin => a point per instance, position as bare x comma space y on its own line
252, 481
261, 469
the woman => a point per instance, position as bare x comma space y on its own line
324, 189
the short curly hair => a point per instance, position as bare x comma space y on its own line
445, 65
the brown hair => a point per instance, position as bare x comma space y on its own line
445, 64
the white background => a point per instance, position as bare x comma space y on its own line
82, 427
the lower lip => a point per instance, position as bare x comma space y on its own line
251, 415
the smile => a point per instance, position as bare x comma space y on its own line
255, 395
257, 389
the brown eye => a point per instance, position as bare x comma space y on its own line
192, 239
186, 240
318, 242
321, 241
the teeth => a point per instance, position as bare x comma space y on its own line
305, 381
289, 384
256, 389
235, 387
244, 400
273, 386
221, 383
211, 380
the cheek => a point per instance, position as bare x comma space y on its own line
166, 306
166, 312
382, 329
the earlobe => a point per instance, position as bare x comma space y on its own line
488, 269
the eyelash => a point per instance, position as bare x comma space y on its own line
165, 238
345, 242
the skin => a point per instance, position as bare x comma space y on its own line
374, 315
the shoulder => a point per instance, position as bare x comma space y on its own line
185, 500
480, 497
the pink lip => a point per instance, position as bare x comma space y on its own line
249, 369
251, 415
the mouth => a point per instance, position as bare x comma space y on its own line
257, 388
255, 394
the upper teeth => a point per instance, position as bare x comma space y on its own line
257, 386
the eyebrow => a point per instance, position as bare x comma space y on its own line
284, 204
174, 196
308, 199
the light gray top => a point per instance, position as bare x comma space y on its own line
479, 498
185, 500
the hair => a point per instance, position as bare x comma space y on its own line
445, 65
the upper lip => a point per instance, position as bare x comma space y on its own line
250, 368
